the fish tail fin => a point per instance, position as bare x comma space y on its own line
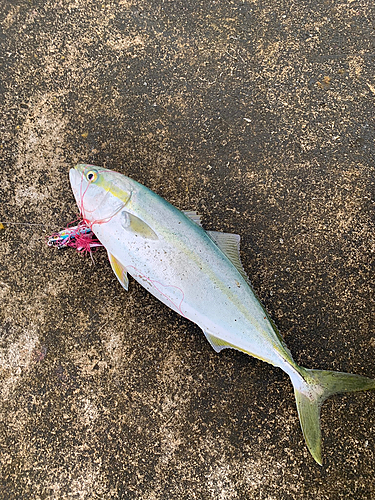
316, 387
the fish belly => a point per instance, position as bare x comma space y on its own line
200, 284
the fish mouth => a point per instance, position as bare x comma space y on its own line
76, 178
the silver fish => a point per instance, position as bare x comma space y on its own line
199, 275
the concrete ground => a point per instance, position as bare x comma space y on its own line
260, 116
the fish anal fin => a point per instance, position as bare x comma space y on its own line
120, 271
229, 244
216, 343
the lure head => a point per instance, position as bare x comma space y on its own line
100, 193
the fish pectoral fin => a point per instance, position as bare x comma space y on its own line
137, 226
216, 343
229, 244
120, 271
194, 216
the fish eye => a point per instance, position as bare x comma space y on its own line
92, 175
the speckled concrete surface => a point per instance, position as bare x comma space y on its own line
257, 114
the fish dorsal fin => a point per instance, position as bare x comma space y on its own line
230, 245
216, 343
119, 270
194, 216
137, 226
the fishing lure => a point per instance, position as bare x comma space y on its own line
79, 237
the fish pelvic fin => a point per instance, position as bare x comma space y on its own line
120, 271
318, 385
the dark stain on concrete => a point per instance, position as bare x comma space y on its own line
259, 115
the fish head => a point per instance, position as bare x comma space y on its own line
100, 193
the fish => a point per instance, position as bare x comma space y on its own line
199, 275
